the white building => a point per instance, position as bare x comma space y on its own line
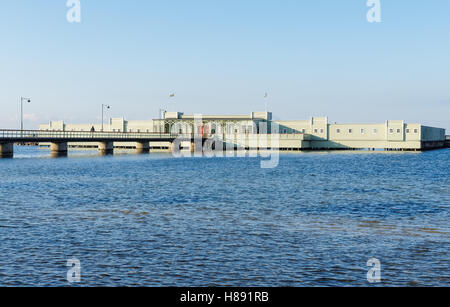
313, 134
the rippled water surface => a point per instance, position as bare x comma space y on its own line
155, 220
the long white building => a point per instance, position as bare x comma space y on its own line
313, 134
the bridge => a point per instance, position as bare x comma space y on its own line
58, 139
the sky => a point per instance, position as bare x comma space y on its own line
313, 58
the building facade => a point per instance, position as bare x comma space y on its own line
246, 131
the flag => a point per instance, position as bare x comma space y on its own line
266, 95
172, 95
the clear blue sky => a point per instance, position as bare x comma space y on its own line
314, 58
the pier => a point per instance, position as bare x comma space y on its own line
59, 140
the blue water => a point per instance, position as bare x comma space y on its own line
154, 220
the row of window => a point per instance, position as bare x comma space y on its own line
363, 131
114, 130
375, 131
131, 130
350, 131
415, 131
303, 131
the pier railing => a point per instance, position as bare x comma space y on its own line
38, 135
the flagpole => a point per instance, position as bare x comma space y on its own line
265, 101
171, 95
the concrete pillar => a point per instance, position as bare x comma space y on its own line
196, 146
142, 147
6, 150
174, 147
58, 149
106, 148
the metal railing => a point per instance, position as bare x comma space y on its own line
12, 135
55, 134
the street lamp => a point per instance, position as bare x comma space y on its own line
22, 99
103, 107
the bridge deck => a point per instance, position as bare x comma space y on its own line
19, 136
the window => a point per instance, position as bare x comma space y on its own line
338, 130
391, 131
375, 131
350, 131
321, 131
408, 131
316, 131
416, 130
363, 131
399, 130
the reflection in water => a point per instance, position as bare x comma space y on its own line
102, 153
55, 155
155, 220
142, 151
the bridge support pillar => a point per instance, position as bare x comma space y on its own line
174, 146
142, 147
58, 149
196, 146
6, 150
106, 148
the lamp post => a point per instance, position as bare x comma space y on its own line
103, 107
22, 99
